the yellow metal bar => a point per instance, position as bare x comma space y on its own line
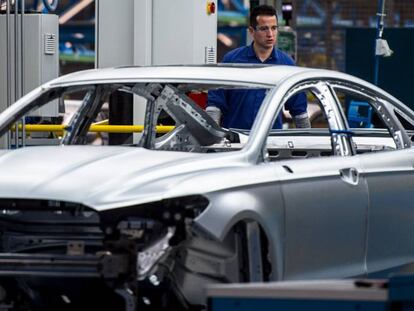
103, 122
116, 128
43, 127
95, 128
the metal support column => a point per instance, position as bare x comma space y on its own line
22, 73
14, 65
8, 62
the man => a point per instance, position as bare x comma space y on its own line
238, 108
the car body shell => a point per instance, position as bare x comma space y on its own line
320, 220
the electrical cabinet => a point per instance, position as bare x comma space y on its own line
156, 32
40, 56
184, 32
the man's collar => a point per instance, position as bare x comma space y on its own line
252, 53
274, 54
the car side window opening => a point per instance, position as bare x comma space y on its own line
117, 119
46, 119
405, 117
359, 110
316, 113
324, 138
374, 126
406, 121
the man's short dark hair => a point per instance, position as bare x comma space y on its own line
264, 9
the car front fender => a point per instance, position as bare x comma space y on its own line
262, 203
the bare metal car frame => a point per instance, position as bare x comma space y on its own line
259, 213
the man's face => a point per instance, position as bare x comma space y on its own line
265, 33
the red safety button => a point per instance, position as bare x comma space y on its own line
211, 7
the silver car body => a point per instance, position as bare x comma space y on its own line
346, 215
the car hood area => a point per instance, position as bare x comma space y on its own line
102, 177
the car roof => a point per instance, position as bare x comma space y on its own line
251, 75
243, 74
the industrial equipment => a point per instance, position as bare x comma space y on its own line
152, 32
393, 294
29, 58
156, 32
39, 59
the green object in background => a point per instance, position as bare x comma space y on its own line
232, 20
287, 41
76, 58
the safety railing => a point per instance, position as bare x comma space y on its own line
59, 129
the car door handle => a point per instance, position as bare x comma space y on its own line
350, 175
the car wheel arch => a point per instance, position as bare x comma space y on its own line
226, 210
271, 234
266, 245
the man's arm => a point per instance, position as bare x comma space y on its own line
298, 108
297, 105
216, 101
216, 104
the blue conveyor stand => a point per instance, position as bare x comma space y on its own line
393, 294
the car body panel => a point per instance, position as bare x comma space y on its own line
142, 173
310, 224
390, 178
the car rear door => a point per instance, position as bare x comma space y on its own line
325, 198
383, 148
387, 165
390, 177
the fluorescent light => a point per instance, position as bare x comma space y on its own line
226, 40
74, 10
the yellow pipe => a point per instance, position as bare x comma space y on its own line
103, 122
116, 128
162, 129
95, 128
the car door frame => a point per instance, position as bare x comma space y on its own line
342, 150
389, 175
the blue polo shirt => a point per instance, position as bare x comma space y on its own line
239, 107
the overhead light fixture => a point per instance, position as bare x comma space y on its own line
74, 10
226, 40
78, 35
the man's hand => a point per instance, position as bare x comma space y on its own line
302, 120
214, 113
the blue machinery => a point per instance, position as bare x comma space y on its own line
394, 294
49, 6
359, 115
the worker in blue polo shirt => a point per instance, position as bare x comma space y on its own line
238, 108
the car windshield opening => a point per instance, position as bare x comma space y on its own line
167, 116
